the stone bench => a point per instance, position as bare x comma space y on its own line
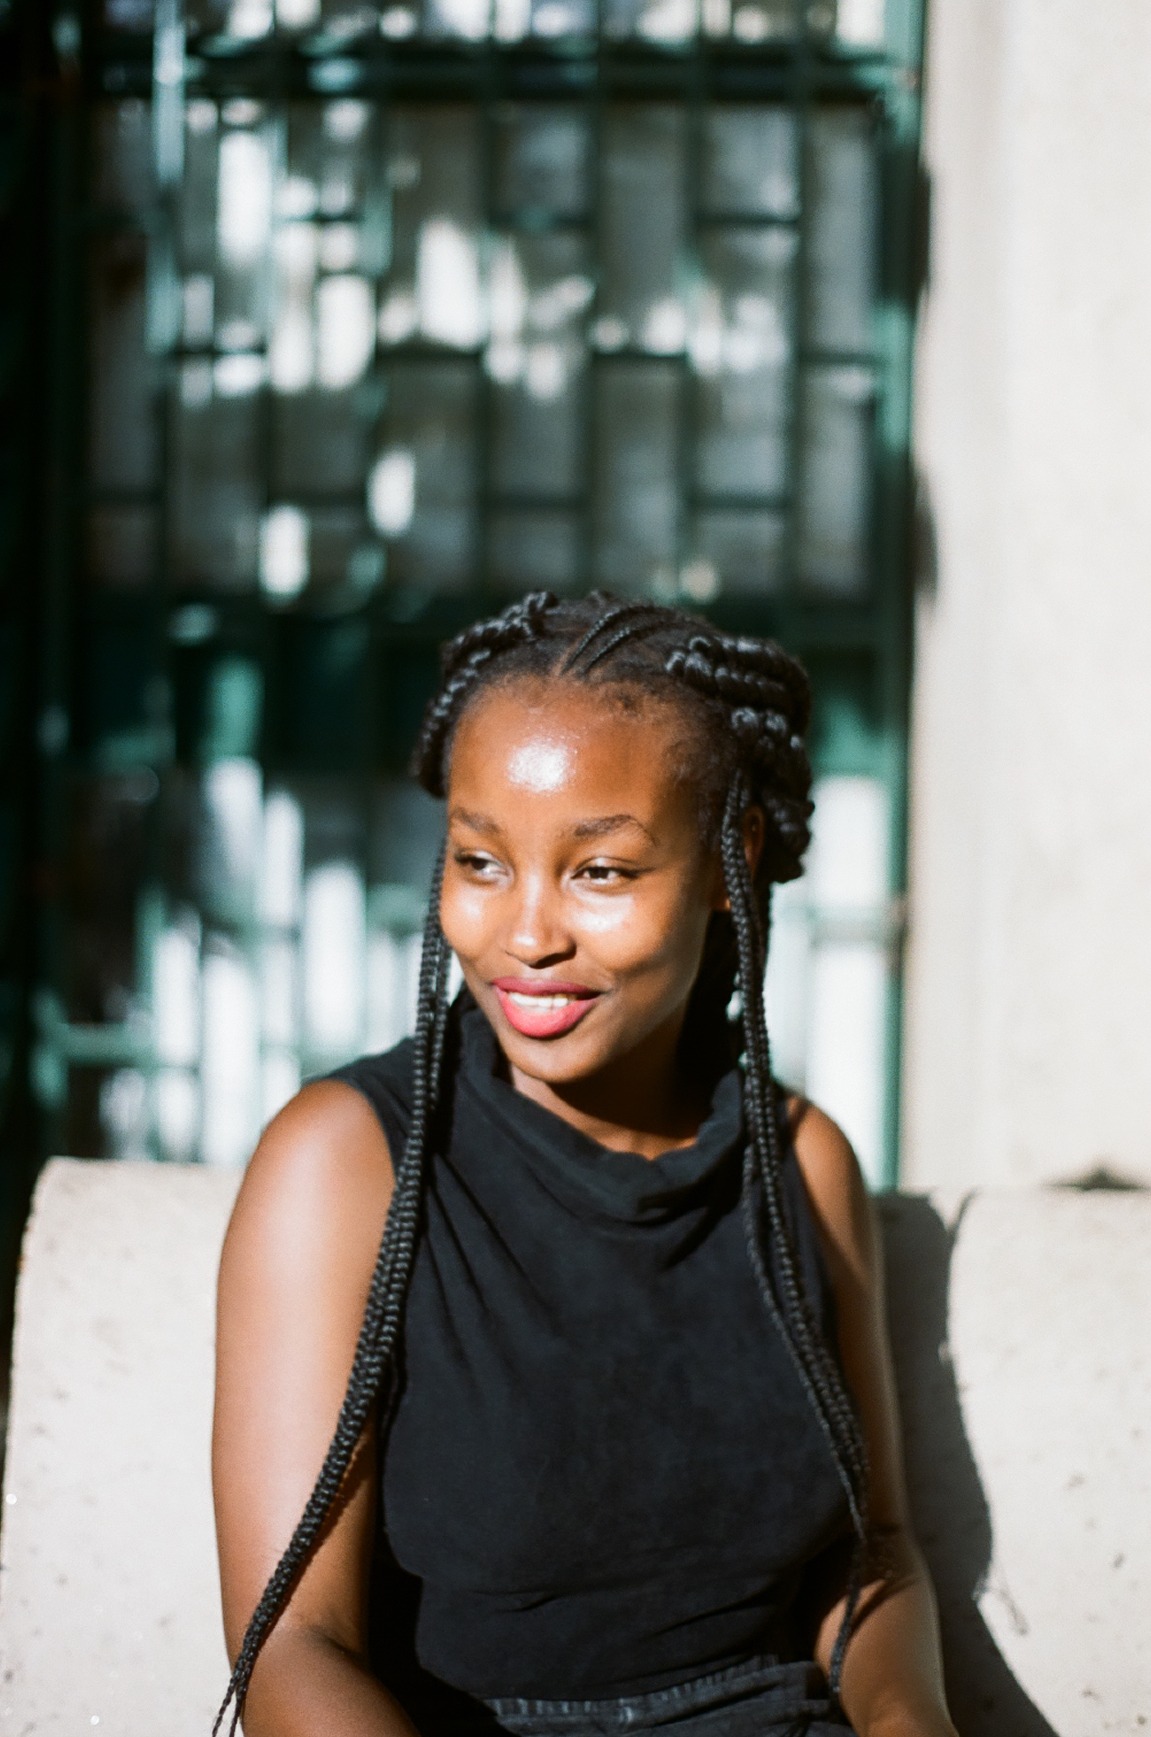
1022, 1323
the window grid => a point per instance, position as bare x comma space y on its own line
223, 669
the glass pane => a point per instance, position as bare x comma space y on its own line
861, 23
407, 827
842, 230
342, 553
422, 487
198, 188
122, 450
122, 545
346, 18
216, 485
750, 161
469, 20
749, 20
541, 160
636, 496
107, 856
539, 288
512, 20
656, 20
320, 444
742, 552
433, 171
642, 230
246, 19
741, 346
243, 225
129, 14
835, 500
534, 551
123, 150
328, 159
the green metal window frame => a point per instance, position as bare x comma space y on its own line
127, 679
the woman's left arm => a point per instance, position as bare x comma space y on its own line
892, 1673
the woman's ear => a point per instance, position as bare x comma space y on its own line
754, 829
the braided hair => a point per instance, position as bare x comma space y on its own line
751, 703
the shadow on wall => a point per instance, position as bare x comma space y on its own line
950, 1509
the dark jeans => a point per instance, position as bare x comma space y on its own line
755, 1699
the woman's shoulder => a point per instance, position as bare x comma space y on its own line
833, 1183
317, 1189
383, 1078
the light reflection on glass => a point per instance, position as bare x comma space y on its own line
392, 492
847, 879
284, 561
448, 300
176, 991
345, 330
333, 946
230, 1055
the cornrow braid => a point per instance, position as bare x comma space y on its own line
751, 703
626, 612
462, 666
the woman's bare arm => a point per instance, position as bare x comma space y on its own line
893, 1673
294, 1278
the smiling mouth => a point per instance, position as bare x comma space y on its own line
544, 1012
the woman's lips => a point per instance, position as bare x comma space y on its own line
543, 1009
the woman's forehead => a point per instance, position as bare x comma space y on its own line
542, 737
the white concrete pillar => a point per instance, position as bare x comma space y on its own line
1028, 1028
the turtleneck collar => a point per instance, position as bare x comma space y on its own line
595, 1180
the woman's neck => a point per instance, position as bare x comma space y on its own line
648, 1101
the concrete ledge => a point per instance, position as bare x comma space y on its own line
1022, 1328
109, 1613
1022, 1325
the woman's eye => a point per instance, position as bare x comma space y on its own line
604, 873
475, 862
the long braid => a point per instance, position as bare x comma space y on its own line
376, 1344
729, 669
817, 1366
753, 703
762, 1180
378, 1331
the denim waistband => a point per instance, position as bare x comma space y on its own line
757, 1698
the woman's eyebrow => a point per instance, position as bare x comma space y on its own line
477, 822
609, 823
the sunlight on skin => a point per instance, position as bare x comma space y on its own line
541, 766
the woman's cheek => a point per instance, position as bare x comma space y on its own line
465, 917
631, 932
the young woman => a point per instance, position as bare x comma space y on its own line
616, 1446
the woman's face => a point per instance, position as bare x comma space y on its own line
577, 889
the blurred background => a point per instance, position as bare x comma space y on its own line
327, 326
350, 322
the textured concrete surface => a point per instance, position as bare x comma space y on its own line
1022, 1328
109, 1613
1029, 966
1022, 1324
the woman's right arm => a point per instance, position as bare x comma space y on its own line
294, 1277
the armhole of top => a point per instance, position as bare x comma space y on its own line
807, 1241
382, 1080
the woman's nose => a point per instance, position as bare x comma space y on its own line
538, 933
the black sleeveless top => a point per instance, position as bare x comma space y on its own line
602, 1474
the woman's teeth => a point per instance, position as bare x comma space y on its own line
541, 1003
